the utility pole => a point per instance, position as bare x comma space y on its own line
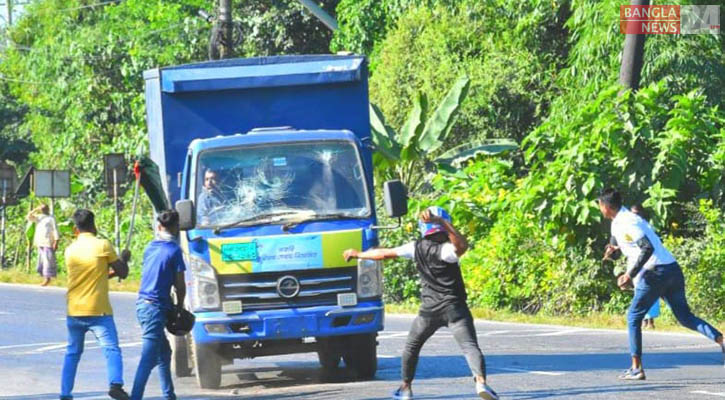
9, 13
632, 55
8, 21
225, 20
318, 12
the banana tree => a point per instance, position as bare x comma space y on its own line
416, 147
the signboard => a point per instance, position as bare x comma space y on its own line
52, 183
7, 178
117, 162
23, 189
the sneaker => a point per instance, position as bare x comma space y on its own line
116, 392
633, 375
485, 392
403, 394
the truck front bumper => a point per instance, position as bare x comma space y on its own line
293, 323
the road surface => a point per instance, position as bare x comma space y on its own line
524, 361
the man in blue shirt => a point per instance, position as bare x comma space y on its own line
163, 267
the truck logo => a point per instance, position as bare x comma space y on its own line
288, 286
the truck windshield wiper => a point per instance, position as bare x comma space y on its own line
258, 219
319, 217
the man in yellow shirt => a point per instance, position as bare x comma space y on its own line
89, 261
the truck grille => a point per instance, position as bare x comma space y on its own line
318, 287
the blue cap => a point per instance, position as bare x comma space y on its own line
431, 228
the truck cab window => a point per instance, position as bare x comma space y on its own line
310, 178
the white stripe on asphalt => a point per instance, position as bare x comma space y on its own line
15, 346
560, 333
720, 394
528, 371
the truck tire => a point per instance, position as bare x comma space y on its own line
361, 355
328, 354
208, 366
180, 365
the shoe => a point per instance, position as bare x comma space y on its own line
403, 394
117, 393
633, 375
485, 392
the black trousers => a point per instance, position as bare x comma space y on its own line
460, 321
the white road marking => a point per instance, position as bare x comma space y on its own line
53, 347
720, 394
560, 333
528, 371
16, 346
5, 313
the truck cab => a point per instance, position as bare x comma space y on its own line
269, 163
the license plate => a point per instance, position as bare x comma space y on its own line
346, 299
232, 307
239, 251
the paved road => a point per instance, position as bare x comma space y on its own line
524, 361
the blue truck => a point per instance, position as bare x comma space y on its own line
269, 163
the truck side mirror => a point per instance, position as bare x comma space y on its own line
187, 214
396, 199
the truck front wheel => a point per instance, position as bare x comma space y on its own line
361, 355
208, 366
328, 353
179, 356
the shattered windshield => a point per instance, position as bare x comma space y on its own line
308, 180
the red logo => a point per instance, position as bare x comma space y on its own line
658, 19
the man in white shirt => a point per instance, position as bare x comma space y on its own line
46, 240
443, 296
654, 272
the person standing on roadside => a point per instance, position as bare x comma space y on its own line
91, 262
443, 296
654, 272
163, 268
46, 240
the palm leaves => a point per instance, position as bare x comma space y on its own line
407, 154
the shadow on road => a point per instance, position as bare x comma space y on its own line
455, 366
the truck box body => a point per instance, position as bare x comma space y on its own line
204, 100
285, 143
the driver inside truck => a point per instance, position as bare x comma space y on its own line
209, 202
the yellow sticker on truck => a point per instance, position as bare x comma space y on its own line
283, 252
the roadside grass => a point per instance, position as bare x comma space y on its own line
15, 275
601, 320
597, 320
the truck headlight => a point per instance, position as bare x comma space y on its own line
205, 289
369, 278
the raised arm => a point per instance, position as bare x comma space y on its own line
459, 241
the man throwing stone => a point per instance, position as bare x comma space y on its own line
443, 296
654, 273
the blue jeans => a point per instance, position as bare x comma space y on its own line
104, 329
664, 281
155, 350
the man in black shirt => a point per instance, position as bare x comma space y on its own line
443, 296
